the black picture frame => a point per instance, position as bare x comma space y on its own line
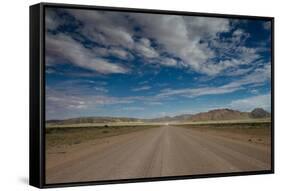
37, 94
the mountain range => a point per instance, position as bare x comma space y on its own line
212, 115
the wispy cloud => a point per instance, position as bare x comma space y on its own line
142, 88
250, 103
254, 91
192, 43
195, 92
78, 55
59, 101
144, 48
101, 89
102, 33
154, 103
133, 108
258, 77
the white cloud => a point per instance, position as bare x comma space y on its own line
143, 47
238, 71
60, 102
194, 43
154, 103
195, 92
169, 62
77, 54
177, 35
142, 88
248, 104
238, 32
51, 19
257, 78
181, 36
107, 28
111, 51
120, 53
101, 89
254, 91
133, 108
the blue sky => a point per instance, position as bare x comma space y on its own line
101, 63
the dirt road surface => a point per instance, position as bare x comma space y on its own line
163, 151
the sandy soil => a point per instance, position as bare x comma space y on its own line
155, 152
255, 135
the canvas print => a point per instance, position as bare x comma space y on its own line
133, 95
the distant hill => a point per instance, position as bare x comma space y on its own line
159, 119
80, 120
259, 113
183, 117
212, 115
219, 114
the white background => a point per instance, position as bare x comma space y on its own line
14, 88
